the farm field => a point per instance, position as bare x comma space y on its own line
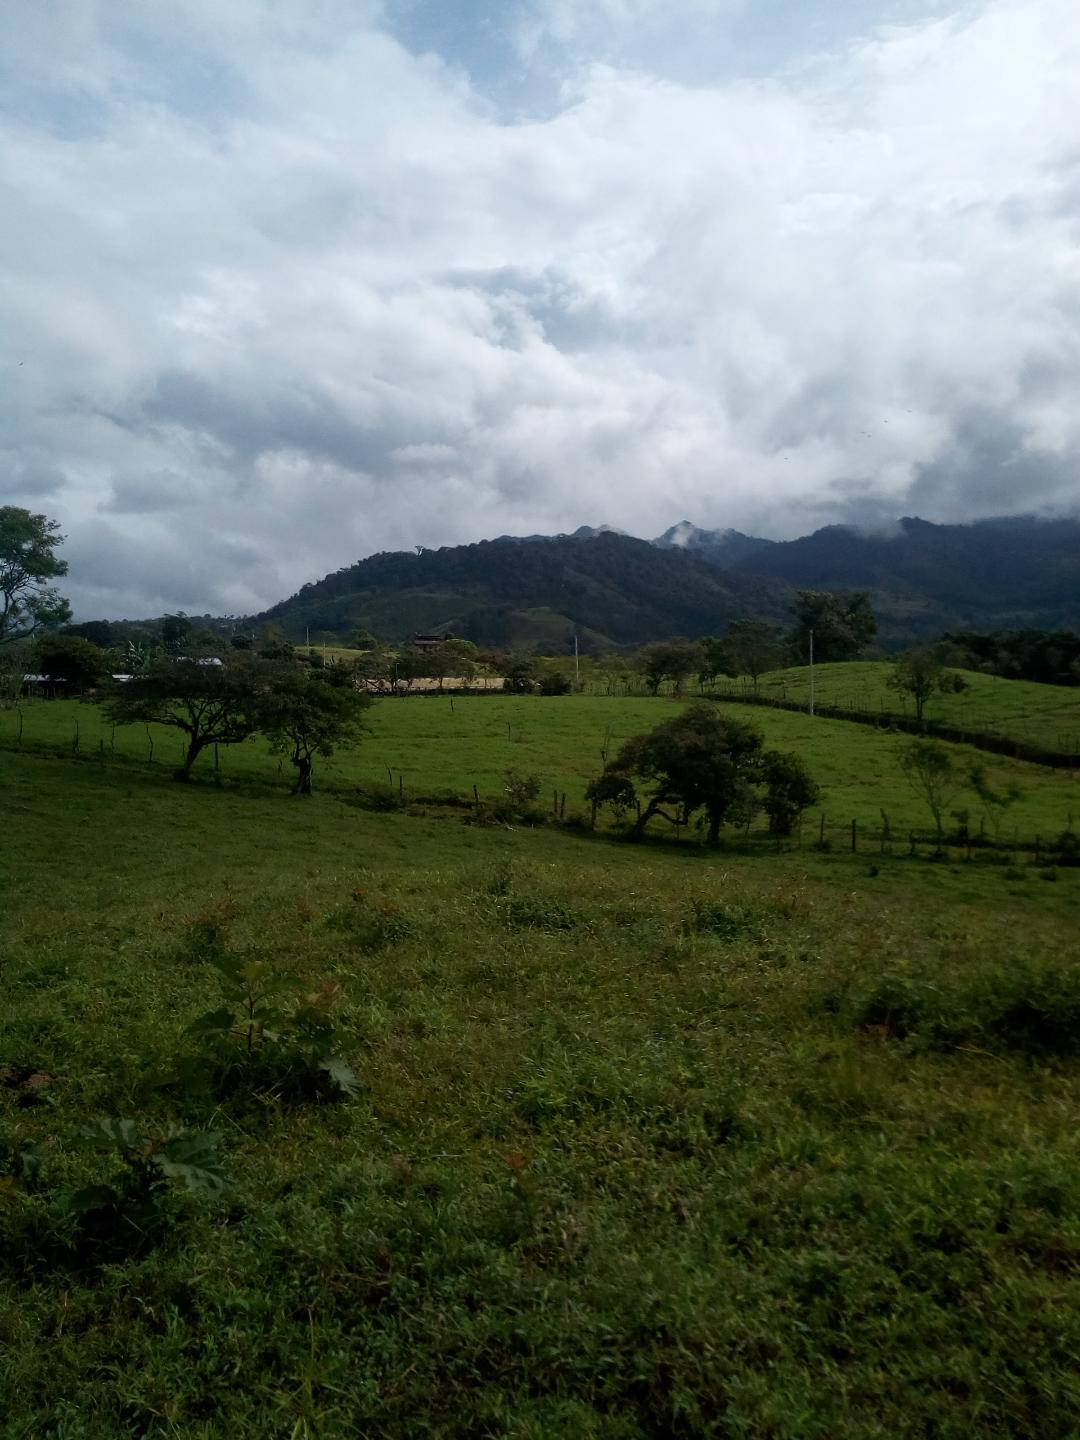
649, 1140
432, 744
1046, 715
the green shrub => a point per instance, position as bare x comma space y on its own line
274, 1033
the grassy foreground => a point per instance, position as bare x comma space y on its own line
651, 1142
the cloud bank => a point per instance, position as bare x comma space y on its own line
284, 283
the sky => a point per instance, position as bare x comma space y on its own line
287, 282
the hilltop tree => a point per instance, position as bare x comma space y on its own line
920, 673
28, 603
697, 760
843, 625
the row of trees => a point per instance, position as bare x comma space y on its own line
302, 711
841, 625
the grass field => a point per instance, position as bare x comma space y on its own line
651, 1142
1046, 715
433, 744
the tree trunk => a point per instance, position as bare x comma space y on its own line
715, 818
303, 775
643, 819
195, 748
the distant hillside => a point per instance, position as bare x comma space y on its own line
722, 548
996, 574
610, 589
615, 591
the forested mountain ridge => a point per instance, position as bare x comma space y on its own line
615, 591
1011, 573
609, 589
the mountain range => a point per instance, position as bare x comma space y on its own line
614, 591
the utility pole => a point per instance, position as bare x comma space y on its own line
811, 672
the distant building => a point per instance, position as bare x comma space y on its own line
429, 642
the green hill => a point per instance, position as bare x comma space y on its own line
1044, 715
611, 590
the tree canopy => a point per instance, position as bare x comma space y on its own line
843, 625
699, 760
212, 704
921, 673
307, 713
28, 603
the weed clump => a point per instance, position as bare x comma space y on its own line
719, 918
109, 1219
1033, 1011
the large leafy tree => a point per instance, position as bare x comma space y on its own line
843, 625
311, 712
28, 561
699, 760
209, 703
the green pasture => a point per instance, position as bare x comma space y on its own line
651, 1141
1045, 715
432, 745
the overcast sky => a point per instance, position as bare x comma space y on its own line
285, 282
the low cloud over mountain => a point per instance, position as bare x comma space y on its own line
288, 283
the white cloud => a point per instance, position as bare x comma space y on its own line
277, 293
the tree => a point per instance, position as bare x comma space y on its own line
456, 658
176, 633
98, 632
304, 714
920, 673
672, 660
715, 659
697, 760
28, 603
752, 647
843, 625
212, 704
929, 768
519, 674
994, 802
555, 682
72, 659
792, 789
15, 662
